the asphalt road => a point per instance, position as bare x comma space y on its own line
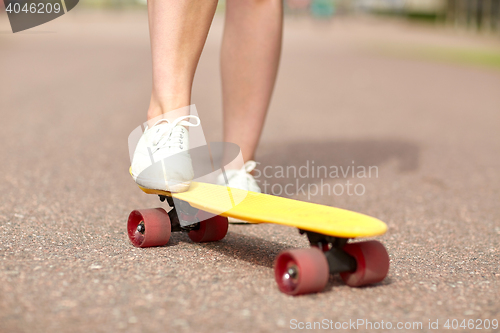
350, 93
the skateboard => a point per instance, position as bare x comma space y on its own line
203, 213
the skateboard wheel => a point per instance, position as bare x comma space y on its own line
211, 229
372, 263
301, 271
149, 227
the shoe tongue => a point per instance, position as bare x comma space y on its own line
178, 128
234, 173
160, 126
158, 131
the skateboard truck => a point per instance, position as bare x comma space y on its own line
338, 260
183, 206
182, 215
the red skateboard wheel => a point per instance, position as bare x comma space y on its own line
149, 227
372, 263
301, 271
211, 229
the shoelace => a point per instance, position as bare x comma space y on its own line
163, 136
245, 170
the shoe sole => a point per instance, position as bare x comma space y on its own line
232, 220
176, 188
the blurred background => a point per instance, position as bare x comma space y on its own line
411, 87
481, 15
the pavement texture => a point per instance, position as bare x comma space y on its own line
351, 92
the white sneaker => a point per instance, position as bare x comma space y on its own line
241, 179
161, 159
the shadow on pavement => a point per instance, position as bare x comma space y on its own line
258, 251
340, 154
335, 281
254, 250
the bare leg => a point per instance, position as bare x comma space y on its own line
250, 55
178, 30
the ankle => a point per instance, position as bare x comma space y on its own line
156, 113
167, 107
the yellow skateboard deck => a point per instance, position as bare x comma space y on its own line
264, 208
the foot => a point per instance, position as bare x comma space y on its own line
240, 179
161, 159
